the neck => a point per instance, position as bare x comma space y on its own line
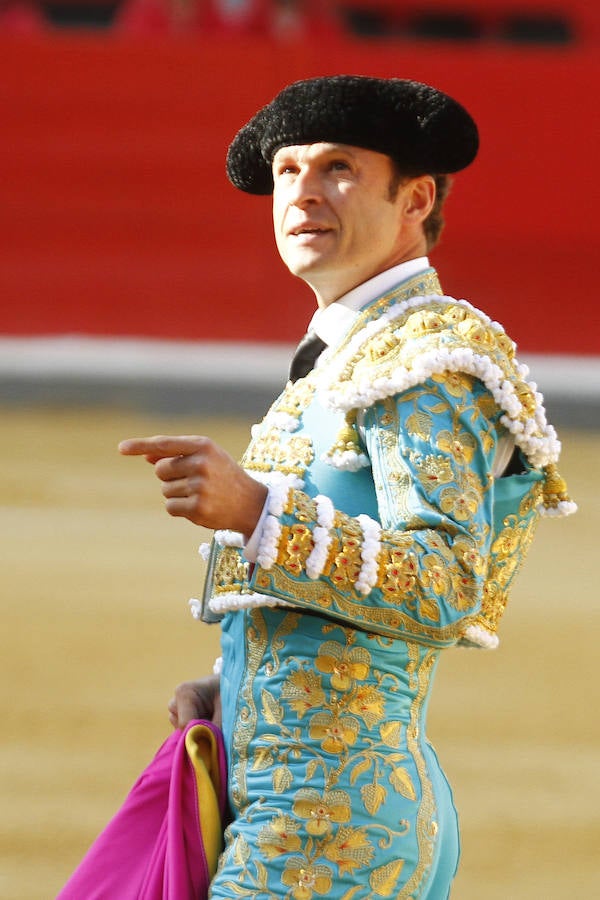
381, 281
329, 290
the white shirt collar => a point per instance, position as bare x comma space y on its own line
332, 322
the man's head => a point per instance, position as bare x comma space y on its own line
354, 161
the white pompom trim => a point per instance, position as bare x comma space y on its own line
204, 551
274, 479
268, 546
478, 636
232, 601
230, 538
563, 508
322, 537
269, 543
278, 494
282, 420
371, 546
195, 608
347, 460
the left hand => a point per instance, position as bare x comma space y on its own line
201, 481
196, 700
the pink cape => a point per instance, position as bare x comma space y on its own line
164, 842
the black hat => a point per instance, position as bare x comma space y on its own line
422, 129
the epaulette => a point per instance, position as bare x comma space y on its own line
424, 336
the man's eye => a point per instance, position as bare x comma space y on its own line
339, 165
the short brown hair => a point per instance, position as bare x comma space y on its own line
434, 223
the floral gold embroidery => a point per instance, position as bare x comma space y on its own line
306, 879
279, 836
336, 733
436, 576
434, 470
321, 810
461, 504
401, 571
460, 445
458, 384
304, 691
297, 546
347, 562
350, 849
344, 664
316, 837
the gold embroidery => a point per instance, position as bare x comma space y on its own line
231, 572
268, 452
295, 398
344, 663
433, 470
350, 849
321, 810
296, 545
289, 624
462, 505
390, 620
347, 562
296, 455
256, 636
304, 878
507, 554
425, 327
305, 508
401, 569
426, 826
458, 384
335, 732
304, 691
316, 838
459, 444
398, 479
419, 286
272, 448
279, 836
262, 451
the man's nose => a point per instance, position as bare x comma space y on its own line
306, 187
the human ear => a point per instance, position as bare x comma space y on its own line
420, 197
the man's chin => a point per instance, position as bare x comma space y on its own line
306, 265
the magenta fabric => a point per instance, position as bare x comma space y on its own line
152, 849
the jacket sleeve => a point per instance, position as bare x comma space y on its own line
418, 571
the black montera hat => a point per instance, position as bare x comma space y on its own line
422, 129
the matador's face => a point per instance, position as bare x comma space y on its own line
336, 222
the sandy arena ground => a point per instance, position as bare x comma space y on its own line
95, 583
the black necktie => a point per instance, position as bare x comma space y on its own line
310, 347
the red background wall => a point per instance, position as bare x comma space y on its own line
116, 217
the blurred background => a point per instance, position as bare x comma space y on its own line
140, 293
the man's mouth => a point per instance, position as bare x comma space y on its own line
308, 229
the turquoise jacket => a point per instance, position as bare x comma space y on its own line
384, 509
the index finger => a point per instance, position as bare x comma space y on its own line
161, 446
